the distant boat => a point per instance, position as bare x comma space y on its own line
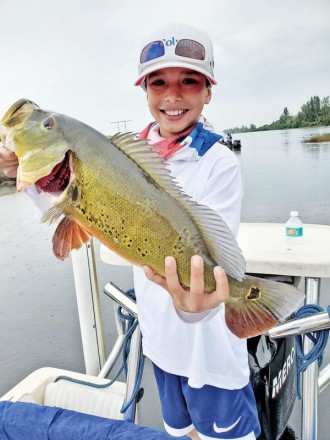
234, 145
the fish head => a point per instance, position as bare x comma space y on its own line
36, 137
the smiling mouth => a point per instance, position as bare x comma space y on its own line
174, 112
58, 179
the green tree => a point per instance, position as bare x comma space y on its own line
325, 111
314, 112
311, 111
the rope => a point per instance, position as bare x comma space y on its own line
131, 326
319, 338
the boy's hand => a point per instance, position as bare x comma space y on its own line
192, 299
8, 161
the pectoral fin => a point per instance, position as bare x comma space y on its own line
68, 235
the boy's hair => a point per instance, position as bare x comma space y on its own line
176, 45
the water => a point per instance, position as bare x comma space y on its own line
282, 174
38, 317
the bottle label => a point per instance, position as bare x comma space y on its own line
294, 232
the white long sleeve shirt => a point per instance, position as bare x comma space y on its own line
206, 351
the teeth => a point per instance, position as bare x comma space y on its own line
174, 112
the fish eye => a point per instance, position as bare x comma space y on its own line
49, 122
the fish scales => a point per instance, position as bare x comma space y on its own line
134, 217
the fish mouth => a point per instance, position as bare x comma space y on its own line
58, 180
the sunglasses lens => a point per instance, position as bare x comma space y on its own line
190, 49
152, 51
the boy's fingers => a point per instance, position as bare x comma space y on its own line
197, 281
6, 154
222, 283
193, 299
172, 278
8, 162
10, 171
154, 277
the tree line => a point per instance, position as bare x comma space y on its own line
316, 112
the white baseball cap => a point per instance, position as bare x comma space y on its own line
176, 45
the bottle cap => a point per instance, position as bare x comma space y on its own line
293, 213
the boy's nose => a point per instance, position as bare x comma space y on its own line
173, 95
172, 98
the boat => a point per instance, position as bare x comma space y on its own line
234, 145
91, 401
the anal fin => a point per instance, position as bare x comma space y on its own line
248, 323
68, 235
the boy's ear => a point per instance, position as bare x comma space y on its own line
208, 96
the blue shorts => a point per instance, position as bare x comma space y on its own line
215, 413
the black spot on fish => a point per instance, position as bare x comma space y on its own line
253, 294
75, 193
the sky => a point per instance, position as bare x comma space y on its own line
79, 57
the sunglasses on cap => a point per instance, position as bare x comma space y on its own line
184, 48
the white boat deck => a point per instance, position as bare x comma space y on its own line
266, 251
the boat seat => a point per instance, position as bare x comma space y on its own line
40, 387
104, 402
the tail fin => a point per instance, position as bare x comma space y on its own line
256, 304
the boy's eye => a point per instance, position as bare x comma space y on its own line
157, 82
190, 81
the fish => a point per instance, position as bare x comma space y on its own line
120, 192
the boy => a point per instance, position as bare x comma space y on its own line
201, 368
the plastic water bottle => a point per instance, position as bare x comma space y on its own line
294, 229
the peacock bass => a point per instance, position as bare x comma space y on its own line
120, 192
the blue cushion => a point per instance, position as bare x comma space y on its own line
21, 421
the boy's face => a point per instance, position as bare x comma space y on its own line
176, 97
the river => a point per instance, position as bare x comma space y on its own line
38, 316
282, 173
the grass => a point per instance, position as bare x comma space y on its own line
325, 137
7, 189
7, 185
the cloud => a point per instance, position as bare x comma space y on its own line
79, 57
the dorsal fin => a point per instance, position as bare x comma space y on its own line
216, 234
218, 239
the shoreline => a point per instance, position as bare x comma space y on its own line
7, 187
